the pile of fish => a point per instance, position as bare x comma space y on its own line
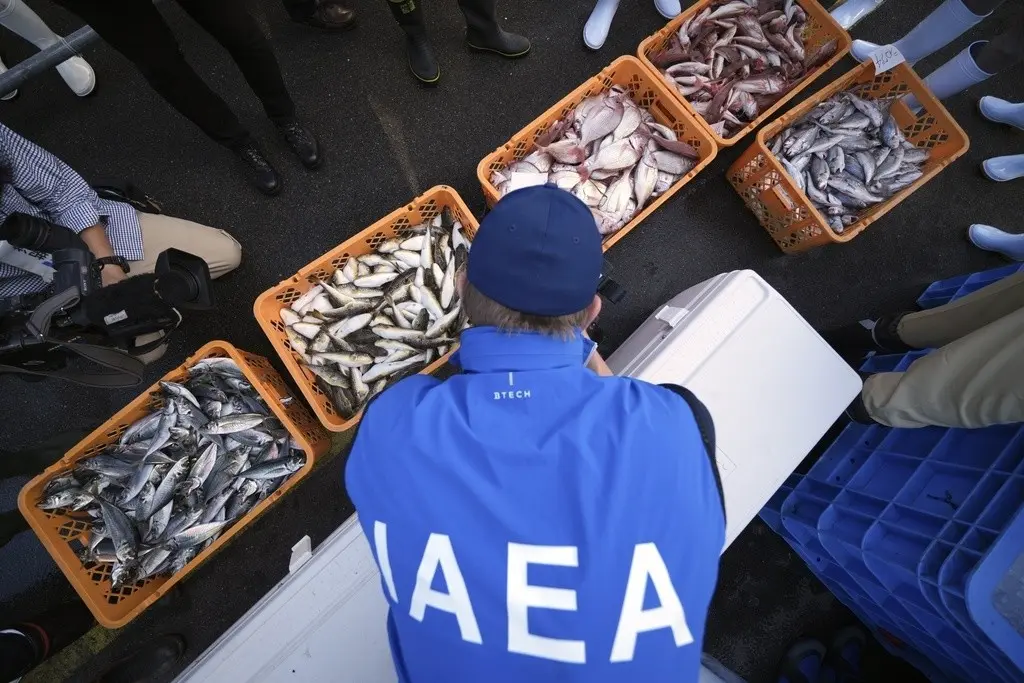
608, 152
177, 478
737, 58
847, 155
382, 316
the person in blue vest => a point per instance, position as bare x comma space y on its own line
534, 518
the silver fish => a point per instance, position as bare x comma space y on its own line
234, 423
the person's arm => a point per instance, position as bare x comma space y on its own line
597, 364
706, 427
59, 192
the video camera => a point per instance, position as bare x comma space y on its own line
35, 329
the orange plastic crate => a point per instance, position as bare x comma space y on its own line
648, 91
820, 29
61, 531
786, 212
269, 304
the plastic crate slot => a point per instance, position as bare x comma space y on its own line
861, 504
1004, 506
979, 540
883, 475
938, 488
978, 448
916, 443
979, 499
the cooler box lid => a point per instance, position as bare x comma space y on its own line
771, 383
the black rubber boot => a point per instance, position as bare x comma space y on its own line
483, 32
302, 142
27, 644
151, 663
257, 169
422, 63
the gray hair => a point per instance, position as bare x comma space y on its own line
482, 310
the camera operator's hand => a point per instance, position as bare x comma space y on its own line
96, 239
111, 274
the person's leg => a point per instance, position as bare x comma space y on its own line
234, 27
18, 17
221, 251
1002, 111
931, 328
993, 239
946, 23
422, 63
973, 382
329, 15
595, 31
976, 63
941, 325
25, 644
1003, 169
137, 31
484, 33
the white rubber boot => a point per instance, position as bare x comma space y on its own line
595, 32
14, 93
1006, 168
954, 76
852, 11
949, 20
993, 239
1001, 111
19, 18
668, 8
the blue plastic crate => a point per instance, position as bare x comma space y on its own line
944, 291
868, 513
919, 531
999, 611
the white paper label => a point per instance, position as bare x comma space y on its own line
886, 57
115, 317
520, 180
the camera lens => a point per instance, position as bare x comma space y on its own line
178, 286
24, 231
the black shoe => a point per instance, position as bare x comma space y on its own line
153, 662
260, 172
421, 59
511, 45
329, 16
301, 141
853, 342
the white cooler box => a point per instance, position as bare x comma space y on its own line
771, 384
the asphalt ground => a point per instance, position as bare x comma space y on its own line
387, 139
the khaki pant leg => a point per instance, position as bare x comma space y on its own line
220, 250
943, 324
975, 381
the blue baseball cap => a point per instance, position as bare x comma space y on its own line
537, 252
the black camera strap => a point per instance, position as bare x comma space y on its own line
117, 368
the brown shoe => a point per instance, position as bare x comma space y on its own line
331, 16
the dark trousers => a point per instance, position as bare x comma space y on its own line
136, 30
1004, 51
481, 16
